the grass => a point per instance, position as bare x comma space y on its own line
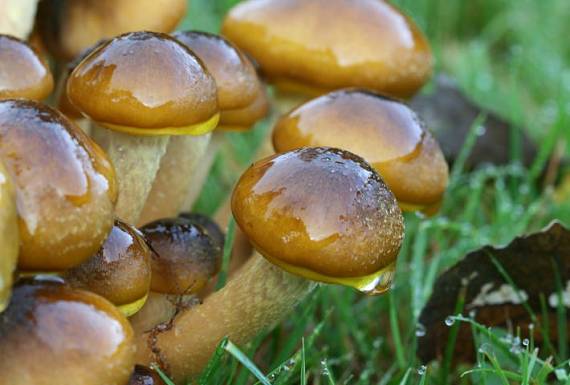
512, 57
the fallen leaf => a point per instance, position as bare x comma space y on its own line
529, 262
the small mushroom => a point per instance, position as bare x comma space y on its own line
141, 88
119, 272
209, 225
315, 214
53, 334
384, 131
237, 87
307, 48
242, 119
23, 74
71, 26
9, 237
65, 186
145, 376
185, 257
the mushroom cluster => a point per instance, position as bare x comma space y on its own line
103, 266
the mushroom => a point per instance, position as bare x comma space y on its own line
139, 89
53, 334
185, 257
307, 48
23, 74
384, 131
119, 272
145, 376
70, 26
65, 186
9, 237
17, 17
209, 225
315, 214
237, 87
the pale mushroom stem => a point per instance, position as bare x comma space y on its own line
136, 160
259, 296
200, 174
184, 159
17, 17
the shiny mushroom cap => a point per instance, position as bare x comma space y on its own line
9, 237
234, 74
70, 26
209, 225
53, 334
145, 83
384, 131
23, 74
323, 214
316, 46
119, 272
65, 186
242, 119
185, 256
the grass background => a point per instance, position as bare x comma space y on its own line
511, 57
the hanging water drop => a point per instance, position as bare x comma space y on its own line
420, 330
449, 321
422, 370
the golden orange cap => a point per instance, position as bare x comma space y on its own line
242, 119
235, 76
23, 74
145, 83
65, 186
53, 334
322, 213
330, 44
384, 131
119, 272
70, 26
185, 255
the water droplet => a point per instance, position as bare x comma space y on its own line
481, 130
525, 342
381, 283
422, 370
530, 326
449, 321
420, 330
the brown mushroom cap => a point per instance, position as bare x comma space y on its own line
322, 213
23, 74
234, 74
9, 237
329, 44
65, 186
119, 272
52, 334
145, 376
242, 119
208, 224
385, 132
185, 256
70, 26
145, 83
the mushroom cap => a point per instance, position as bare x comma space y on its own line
70, 26
65, 186
9, 237
208, 224
145, 83
384, 131
329, 44
53, 334
119, 272
23, 74
322, 213
185, 256
145, 376
235, 76
242, 119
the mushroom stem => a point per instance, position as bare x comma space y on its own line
177, 175
17, 17
199, 175
136, 160
258, 297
